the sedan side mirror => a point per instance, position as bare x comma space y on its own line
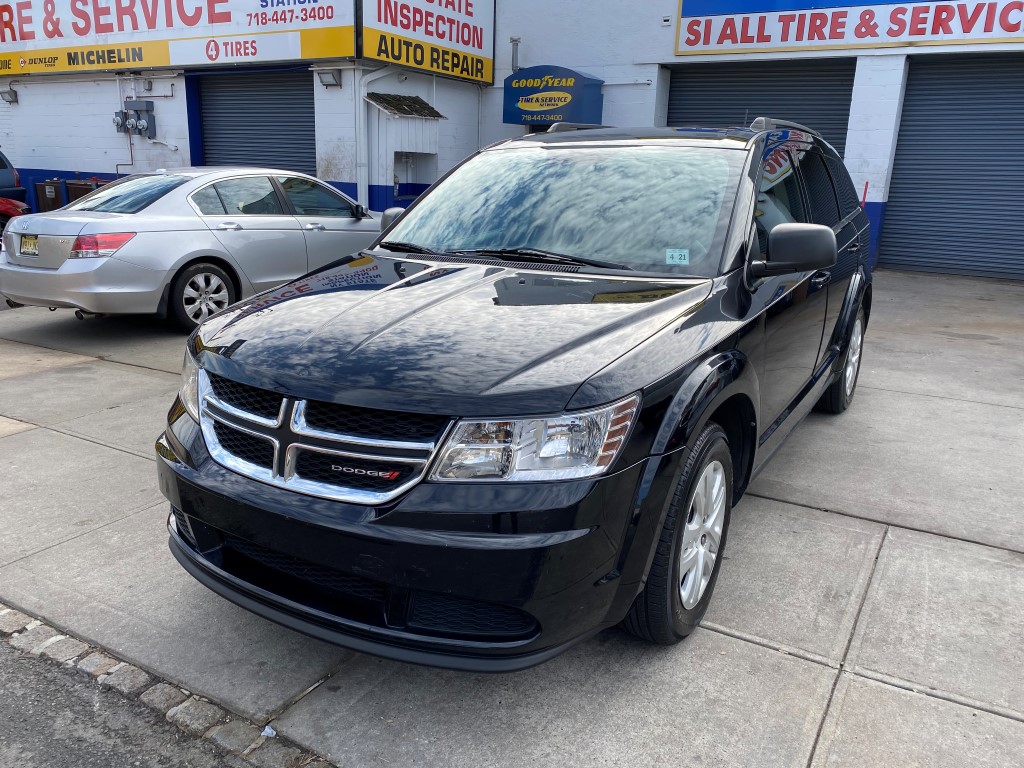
359, 211
797, 248
389, 217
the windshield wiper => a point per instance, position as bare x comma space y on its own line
536, 254
400, 247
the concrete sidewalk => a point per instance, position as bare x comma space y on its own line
868, 612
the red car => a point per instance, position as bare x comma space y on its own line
9, 209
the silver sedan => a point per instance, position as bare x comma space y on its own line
182, 243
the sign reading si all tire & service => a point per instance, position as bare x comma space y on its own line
708, 27
91, 35
454, 38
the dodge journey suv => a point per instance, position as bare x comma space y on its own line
525, 414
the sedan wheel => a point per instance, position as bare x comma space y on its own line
200, 292
204, 295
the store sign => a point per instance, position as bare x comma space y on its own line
743, 26
544, 95
446, 37
90, 35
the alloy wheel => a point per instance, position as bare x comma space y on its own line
702, 535
204, 295
853, 358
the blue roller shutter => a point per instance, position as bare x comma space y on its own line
956, 193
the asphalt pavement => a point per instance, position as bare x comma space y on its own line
51, 717
868, 610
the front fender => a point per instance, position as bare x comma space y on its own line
710, 384
713, 381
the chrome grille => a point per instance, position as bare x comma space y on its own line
357, 455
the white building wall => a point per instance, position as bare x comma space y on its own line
878, 88
64, 124
334, 113
619, 43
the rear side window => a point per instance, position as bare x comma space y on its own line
3, 162
208, 202
249, 196
824, 206
128, 195
848, 199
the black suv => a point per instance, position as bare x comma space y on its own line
524, 414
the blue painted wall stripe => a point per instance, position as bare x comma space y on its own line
876, 215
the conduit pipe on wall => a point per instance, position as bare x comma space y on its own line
362, 138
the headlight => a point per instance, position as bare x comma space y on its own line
564, 447
189, 392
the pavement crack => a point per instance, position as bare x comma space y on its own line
880, 521
846, 651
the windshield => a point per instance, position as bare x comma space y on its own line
657, 209
129, 195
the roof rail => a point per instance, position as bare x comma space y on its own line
770, 124
560, 127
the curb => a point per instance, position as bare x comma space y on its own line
193, 715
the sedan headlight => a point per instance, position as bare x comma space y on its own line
189, 392
572, 445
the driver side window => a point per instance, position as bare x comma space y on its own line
778, 197
312, 199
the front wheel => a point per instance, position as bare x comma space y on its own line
689, 554
199, 292
839, 395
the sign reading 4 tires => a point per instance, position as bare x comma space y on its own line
89, 35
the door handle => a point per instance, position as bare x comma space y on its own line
229, 226
820, 279
315, 227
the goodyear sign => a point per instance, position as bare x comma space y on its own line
544, 95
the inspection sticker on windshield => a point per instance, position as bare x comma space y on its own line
677, 255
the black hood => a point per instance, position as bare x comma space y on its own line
460, 339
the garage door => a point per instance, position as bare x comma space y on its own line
815, 93
956, 195
262, 119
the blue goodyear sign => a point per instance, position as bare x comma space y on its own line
544, 95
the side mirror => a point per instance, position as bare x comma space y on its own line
389, 217
797, 248
359, 211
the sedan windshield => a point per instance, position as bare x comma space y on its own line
656, 209
129, 195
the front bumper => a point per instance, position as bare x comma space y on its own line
481, 577
101, 286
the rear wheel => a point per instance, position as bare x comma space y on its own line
3, 223
689, 554
199, 292
839, 395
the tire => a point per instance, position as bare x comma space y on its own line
668, 609
198, 292
3, 223
839, 395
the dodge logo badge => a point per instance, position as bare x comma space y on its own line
392, 475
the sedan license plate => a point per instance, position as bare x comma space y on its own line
30, 245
